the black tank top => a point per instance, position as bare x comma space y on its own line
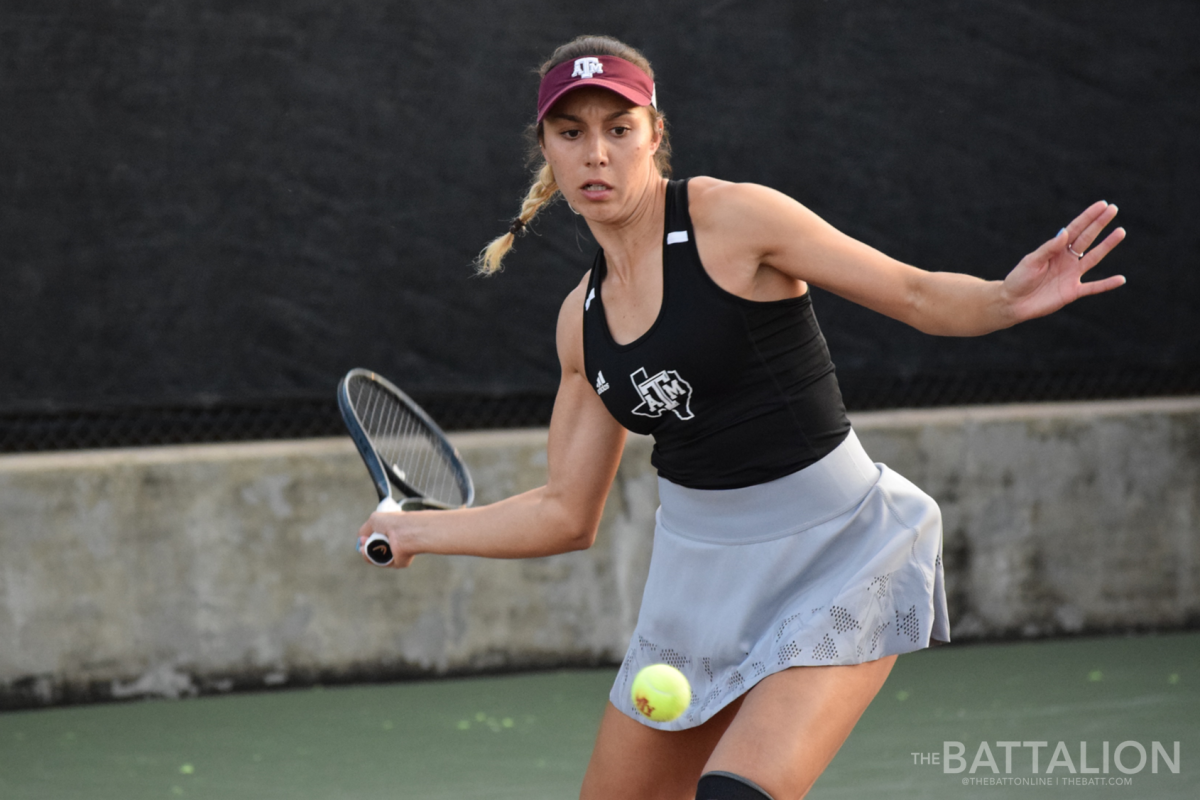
735, 392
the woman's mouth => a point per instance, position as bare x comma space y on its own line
594, 190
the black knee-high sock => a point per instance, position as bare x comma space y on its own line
727, 786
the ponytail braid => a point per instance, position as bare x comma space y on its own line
542, 192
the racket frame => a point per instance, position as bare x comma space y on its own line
383, 475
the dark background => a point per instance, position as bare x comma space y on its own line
209, 211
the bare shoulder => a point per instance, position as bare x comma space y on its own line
741, 228
569, 334
707, 196
732, 207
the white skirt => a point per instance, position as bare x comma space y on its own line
839, 563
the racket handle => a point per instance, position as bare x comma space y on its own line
378, 547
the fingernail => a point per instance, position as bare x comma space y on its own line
1060, 232
1104, 201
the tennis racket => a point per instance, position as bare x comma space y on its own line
404, 450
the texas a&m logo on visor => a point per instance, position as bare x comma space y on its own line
587, 67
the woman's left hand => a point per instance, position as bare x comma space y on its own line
1051, 276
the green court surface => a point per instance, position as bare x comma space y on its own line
529, 736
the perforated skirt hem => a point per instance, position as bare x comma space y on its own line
787, 574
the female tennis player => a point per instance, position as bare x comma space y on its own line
788, 569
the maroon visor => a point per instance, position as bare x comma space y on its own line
607, 72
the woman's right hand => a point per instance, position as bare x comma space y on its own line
583, 451
391, 525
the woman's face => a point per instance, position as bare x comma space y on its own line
601, 148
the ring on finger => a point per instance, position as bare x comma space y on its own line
1073, 251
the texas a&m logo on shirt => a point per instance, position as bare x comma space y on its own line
664, 391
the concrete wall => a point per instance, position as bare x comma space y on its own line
173, 571
1058, 518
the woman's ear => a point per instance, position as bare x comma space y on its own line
658, 135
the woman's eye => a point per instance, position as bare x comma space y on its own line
620, 131
571, 134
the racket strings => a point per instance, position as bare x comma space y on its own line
406, 444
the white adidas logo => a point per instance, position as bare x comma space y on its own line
601, 384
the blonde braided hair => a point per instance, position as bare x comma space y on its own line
541, 192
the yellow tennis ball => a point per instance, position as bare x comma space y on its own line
660, 692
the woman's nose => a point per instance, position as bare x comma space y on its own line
597, 152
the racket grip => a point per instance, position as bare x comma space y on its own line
378, 547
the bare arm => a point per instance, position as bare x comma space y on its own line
584, 449
768, 230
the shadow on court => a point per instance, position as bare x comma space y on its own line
529, 736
